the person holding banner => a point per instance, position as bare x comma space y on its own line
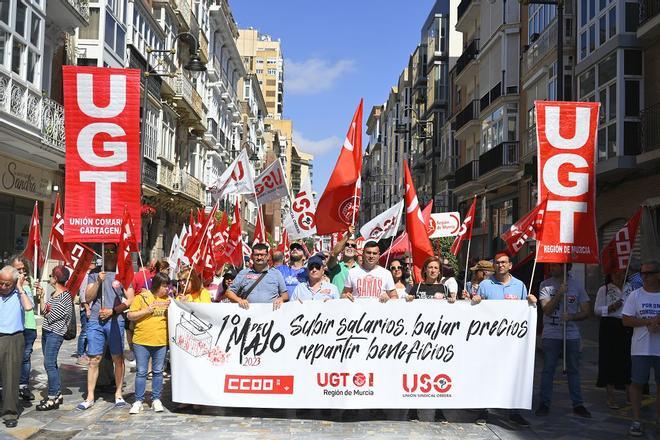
641, 311
503, 286
400, 276
315, 288
370, 280
347, 247
613, 338
259, 283
14, 302
295, 272
431, 287
107, 300
551, 295
195, 292
149, 312
22, 265
482, 270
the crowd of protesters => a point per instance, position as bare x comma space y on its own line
111, 315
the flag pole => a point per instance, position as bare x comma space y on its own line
192, 265
565, 308
354, 204
146, 282
42, 281
531, 280
396, 228
467, 264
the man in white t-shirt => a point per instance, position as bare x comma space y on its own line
369, 280
642, 312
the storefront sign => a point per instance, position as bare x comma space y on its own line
338, 354
566, 133
24, 180
102, 122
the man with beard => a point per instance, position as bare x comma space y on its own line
295, 272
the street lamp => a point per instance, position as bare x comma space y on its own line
194, 65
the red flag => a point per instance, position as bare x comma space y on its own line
530, 226
284, 246
59, 250
195, 245
416, 226
79, 259
259, 232
234, 244
465, 233
219, 238
616, 255
127, 244
34, 239
338, 206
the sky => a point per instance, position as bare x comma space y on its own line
335, 52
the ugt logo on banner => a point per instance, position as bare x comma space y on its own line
566, 133
102, 123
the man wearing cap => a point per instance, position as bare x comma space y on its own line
370, 279
339, 269
502, 286
259, 283
480, 271
315, 288
295, 273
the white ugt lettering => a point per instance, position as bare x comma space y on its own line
567, 210
103, 181
84, 82
119, 150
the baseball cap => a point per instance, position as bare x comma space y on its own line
314, 259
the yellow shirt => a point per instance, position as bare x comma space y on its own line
203, 297
150, 330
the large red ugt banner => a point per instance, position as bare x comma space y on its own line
102, 126
566, 134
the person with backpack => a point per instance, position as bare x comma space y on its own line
58, 314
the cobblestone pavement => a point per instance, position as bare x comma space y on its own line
102, 421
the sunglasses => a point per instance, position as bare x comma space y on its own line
6, 283
314, 266
349, 245
395, 267
22, 270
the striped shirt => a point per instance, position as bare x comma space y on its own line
57, 319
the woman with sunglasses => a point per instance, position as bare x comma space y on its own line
57, 315
400, 276
194, 291
432, 287
315, 288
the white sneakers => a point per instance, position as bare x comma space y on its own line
157, 406
137, 407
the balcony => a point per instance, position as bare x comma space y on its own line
649, 20
68, 14
166, 175
467, 11
203, 47
466, 177
469, 54
184, 13
37, 114
530, 145
190, 187
499, 163
467, 118
187, 99
214, 71
149, 173
650, 136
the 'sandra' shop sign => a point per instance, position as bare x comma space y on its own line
23, 180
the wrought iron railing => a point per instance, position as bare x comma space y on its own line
648, 9
504, 154
467, 173
650, 128
470, 53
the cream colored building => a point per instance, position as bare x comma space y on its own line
263, 56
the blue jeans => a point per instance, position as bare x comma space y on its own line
552, 349
30, 336
82, 337
50, 344
142, 355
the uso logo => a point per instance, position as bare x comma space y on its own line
426, 383
250, 384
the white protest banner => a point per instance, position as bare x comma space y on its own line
384, 225
301, 220
270, 184
237, 178
444, 224
338, 354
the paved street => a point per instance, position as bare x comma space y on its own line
103, 421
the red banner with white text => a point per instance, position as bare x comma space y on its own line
102, 127
566, 134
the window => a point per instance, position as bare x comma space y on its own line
540, 17
272, 72
602, 30
607, 69
32, 66
632, 61
632, 17
115, 35
583, 12
259, 72
4, 40
632, 98
592, 38
583, 45
587, 83
21, 18
151, 133
612, 22
4, 11
16, 56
